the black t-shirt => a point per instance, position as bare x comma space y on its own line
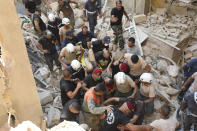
118, 14
80, 74
66, 86
90, 81
85, 38
30, 5
101, 60
48, 44
53, 26
69, 116
113, 119
98, 46
42, 25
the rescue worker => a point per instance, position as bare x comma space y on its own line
85, 36
54, 24
69, 38
67, 55
99, 45
64, 29
125, 86
146, 93
47, 44
193, 87
78, 71
129, 116
64, 6
92, 109
167, 122
70, 88
190, 105
116, 23
93, 79
39, 25
91, 10
132, 48
136, 64
189, 69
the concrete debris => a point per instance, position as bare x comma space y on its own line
173, 70
57, 103
140, 18
53, 116
45, 97
43, 72
170, 91
162, 65
157, 104
67, 126
26, 126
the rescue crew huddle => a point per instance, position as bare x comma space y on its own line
106, 94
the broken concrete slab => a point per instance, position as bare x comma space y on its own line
45, 97
43, 72
173, 70
57, 103
140, 18
162, 65
53, 116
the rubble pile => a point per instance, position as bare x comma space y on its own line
172, 29
164, 69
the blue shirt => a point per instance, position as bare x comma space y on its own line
191, 104
190, 68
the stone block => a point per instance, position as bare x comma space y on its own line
57, 102
161, 11
45, 97
162, 65
140, 18
173, 70
178, 10
53, 117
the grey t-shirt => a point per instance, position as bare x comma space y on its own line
134, 51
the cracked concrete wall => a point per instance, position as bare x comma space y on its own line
18, 92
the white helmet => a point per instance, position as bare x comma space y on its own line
94, 39
146, 77
75, 64
51, 17
195, 97
70, 47
65, 21
120, 77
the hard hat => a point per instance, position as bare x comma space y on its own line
195, 97
120, 77
70, 47
51, 17
75, 64
146, 77
65, 21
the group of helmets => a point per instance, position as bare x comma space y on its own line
120, 77
65, 21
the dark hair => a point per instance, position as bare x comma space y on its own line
165, 110
76, 106
67, 72
84, 27
132, 40
100, 87
134, 59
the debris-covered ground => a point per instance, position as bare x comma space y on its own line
170, 30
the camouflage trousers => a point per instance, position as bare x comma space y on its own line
119, 35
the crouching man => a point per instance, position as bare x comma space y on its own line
120, 118
92, 109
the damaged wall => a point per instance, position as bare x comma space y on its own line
17, 86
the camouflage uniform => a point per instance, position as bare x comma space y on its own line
67, 12
92, 109
119, 35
